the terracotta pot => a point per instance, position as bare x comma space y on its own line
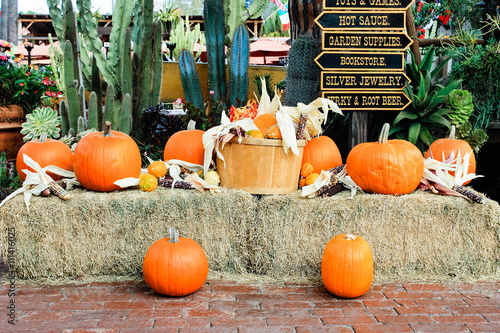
11, 139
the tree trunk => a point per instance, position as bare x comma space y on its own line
302, 14
12, 22
4, 19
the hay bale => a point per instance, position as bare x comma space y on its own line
421, 236
416, 237
97, 234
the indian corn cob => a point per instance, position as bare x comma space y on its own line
334, 186
167, 182
472, 195
301, 127
58, 191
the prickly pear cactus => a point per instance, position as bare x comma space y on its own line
42, 120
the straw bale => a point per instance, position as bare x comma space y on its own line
93, 236
413, 237
98, 234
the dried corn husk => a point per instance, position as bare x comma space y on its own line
329, 179
216, 134
38, 181
437, 178
315, 117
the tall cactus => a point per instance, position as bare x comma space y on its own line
190, 79
213, 15
238, 67
302, 81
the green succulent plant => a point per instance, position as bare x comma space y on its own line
428, 93
460, 104
41, 120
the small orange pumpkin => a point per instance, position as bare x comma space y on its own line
265, 121
386, 166
186, 146
322, 153
101, 158
274, 132
442, 148
45, 152
157, 169
347, 266
175, 266
311, 178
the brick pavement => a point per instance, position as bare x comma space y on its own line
227, 306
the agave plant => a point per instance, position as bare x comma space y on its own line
428, 93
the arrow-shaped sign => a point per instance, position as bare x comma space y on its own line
386, 41
369, 101
346, 20
363, 80
360, 60
367, 4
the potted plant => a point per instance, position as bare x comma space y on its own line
22, 89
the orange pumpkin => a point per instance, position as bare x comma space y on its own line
186, 146
442, 148
322, 153
347, 266
265, 121
101, 158
175, 266
386, 166
45, 152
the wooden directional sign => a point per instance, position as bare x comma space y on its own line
365, 41
369, 100
367, 4
345, 61
345, 21
363, 80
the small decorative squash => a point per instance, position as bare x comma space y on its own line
101, 158
302, 182
306, 169
175, 266
347, 266
386, 166
45, 152
212, 177
257, 134
186, 146
148, 182
311, 178
322, 153
274, 132
265, 121
157, 169
442, 148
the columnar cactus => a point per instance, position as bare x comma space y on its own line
238, 67
302, 81
213, 16
190, 79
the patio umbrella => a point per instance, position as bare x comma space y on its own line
264, 47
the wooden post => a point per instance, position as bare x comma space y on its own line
358, 130
412, 32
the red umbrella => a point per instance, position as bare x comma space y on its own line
264, 47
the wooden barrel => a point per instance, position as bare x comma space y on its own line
260, 166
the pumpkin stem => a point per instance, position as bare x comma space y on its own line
452, 133
43, 137
384, 133
107, 129
174, 236
350, 236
